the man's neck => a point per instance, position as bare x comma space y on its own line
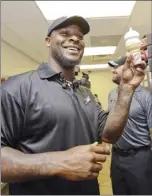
68, 73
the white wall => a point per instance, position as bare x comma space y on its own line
14, 62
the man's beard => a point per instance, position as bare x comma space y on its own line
65, 62
116, 80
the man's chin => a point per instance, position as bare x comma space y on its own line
70, 63
115, 81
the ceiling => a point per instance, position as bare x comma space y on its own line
24, 27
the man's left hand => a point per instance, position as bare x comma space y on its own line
133, 75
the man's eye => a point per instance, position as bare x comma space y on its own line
80, 37
64, 34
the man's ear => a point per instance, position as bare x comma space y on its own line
48, 41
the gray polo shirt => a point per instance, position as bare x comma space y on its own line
137, 131
38, 115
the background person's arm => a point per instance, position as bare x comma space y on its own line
17, 166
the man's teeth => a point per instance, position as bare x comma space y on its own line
75, 49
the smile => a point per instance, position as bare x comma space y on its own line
72, 48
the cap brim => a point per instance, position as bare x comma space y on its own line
76, 20
113, 64
119, 62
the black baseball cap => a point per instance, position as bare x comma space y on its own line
117, 63
66, 21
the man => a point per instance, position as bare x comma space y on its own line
131, 167
144, 44
147, 49
50, 126
144, 48
85, 80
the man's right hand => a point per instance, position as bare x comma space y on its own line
82, 162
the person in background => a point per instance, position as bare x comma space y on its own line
85, 80
143, 48
144, 43
131, 164
50, 127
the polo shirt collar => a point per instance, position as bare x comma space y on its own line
138, 88
45, 71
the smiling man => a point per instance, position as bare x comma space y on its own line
50, 124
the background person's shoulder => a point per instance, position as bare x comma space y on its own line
146, 90
113, 93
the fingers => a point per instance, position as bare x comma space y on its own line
96, 168
107, 146
95, 144
94, 172
140, 68
99, 158
101, 150
142, 65
128, 62
93, 175
140, 72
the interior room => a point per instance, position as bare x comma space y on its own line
24, 25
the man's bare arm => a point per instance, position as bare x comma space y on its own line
118, 115
78, 163
17, 166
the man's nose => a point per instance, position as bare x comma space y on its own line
74, 38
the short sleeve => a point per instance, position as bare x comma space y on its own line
149, 110
11, 120
100, 114
102, 118
109, 102
112, 97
